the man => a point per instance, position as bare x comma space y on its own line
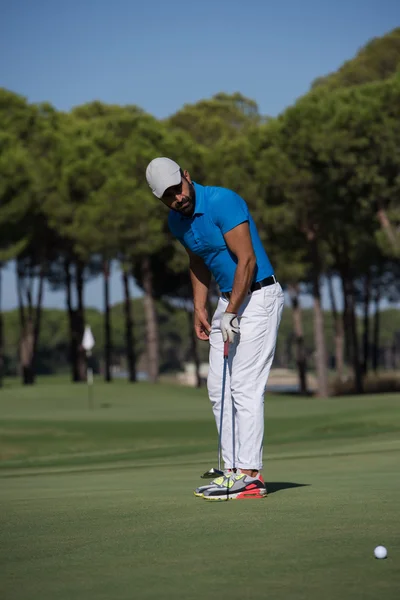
216, 229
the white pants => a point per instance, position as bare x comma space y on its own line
249, 364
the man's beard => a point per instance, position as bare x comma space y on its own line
189, 201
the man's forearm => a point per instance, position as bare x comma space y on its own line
241, 284
200, 277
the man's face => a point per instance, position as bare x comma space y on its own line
181, 197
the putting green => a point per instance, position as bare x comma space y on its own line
98, 503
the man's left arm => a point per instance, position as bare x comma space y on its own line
239, 243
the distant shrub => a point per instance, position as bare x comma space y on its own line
373, 384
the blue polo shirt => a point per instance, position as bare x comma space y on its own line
217, 211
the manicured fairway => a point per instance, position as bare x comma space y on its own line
98, 504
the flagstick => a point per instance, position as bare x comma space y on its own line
89, 379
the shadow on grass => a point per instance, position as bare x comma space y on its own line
276, 486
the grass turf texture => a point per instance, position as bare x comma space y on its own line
98, 503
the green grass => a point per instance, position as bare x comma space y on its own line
97, 503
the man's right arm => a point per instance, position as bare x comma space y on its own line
200, 277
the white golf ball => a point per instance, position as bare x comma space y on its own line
380, 552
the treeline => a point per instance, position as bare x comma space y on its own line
322, 181
175, 344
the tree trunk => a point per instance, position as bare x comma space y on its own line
393, 354
107, 322
80, 322
76, 323
346, 327
26, 352
129, 339
287, 352
355, 345
23, 350
1, 333
37, 322
339, 333
319, 333
29, 323
396, 342
348, 292
151, 321
301, 359
375, 343
72, 344
320, 348
367, 300
390, 231
194, 349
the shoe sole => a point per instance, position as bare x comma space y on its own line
198, 494
250, 495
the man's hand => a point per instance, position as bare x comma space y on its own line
229, 326
201, 325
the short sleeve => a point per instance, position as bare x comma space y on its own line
229, 210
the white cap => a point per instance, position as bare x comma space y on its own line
162, 173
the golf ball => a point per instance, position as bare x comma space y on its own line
380, 552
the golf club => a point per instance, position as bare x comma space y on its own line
213, 473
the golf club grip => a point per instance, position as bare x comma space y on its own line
226, 349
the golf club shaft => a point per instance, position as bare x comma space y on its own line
226, 353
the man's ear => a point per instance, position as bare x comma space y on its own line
187, 176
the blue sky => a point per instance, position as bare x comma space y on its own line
162, 55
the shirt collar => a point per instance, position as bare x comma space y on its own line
199, 206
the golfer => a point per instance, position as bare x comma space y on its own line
215, 227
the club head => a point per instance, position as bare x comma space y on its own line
212, 474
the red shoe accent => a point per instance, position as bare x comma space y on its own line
250, 494
251, 486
